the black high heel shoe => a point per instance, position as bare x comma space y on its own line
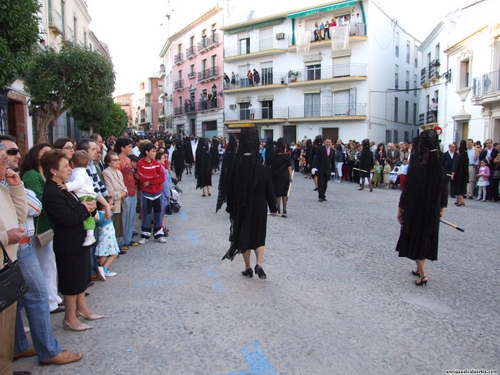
260, 271
422, 281
415, 273
248, 272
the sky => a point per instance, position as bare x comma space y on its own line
135, 31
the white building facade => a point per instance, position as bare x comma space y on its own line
357, 82
460, 64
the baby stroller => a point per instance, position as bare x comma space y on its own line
394, 176
175, 201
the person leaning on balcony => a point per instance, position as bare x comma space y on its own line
256, 77
233, 80
250, 78
316, 32
327, 30
433, 108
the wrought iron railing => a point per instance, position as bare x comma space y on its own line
487, 84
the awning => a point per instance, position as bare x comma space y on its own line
255, 26
245, 99
265, 98
245, 125
326, 8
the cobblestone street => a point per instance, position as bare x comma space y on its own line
337, 299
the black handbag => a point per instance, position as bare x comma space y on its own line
496, 174
12, 283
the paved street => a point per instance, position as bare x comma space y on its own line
337, 299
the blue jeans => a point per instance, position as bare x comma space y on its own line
36, 304
149, 205
128, 219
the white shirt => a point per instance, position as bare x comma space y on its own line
472, 155
80, 183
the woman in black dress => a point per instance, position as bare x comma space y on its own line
250, 193
178, 161
305, 155
281, 172
460, 174
422, 203
72, 259
188, 155
203, 167
365, 164
318, 141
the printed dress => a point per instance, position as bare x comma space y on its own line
106, 241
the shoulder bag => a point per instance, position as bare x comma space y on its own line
12, 283
44, 238
495, 175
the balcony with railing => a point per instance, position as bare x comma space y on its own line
208, 42
55, 22
486, 89
335, 73
178, 111
328, 110
265, 113
190, 52
208, 74
427, 118
178, 58
179, 85
209, 104
69, 35
266, 79
162, 71
191, 75
260, 46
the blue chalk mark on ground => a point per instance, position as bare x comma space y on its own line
181, 216
144, 283
193, 238
258, 363
217, 285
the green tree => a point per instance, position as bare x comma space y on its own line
18, 36
92, 117
116, 123
72, 79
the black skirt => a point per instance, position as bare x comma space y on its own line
73, 272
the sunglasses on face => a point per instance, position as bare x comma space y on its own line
13, 151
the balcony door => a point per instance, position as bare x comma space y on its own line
244, 46
244, 111
267, 109
312, 105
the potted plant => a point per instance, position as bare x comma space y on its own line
283, 80
293, 74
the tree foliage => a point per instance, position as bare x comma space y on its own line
18, 37
104, 117
90, 118
74, 79
116, 123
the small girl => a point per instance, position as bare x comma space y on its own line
377, 174
107, 247
387, 172
483, 179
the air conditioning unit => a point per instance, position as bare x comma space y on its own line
280, 36
232, 106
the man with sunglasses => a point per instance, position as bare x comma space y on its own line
36, 300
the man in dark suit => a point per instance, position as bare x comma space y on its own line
392, 154
322, 166
448, 158
489, 154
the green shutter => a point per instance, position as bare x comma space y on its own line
255, 26
322, 9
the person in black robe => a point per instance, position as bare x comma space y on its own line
225, 172
188, 155
178, 161
422, 203
214, 152
281, 172
250, 193
460, 174
366, 164
203, 167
